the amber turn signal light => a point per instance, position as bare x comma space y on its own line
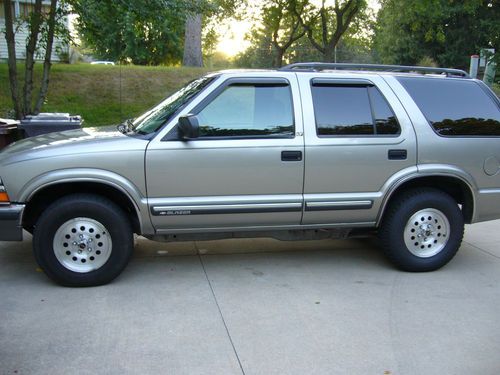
4, 197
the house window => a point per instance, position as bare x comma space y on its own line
22, 9
26, 9
2, 9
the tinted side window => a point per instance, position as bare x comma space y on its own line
352, 110
385, 119
455, 107
249, 110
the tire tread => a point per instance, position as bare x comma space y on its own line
63, 207
399, 258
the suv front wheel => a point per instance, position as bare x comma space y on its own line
83, 240
422, 230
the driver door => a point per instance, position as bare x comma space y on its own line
244, 170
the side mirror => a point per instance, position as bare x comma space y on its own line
189, 127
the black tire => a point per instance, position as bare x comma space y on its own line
97, 235
432, 237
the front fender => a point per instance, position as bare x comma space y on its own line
91, 175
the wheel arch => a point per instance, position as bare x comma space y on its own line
43, 196
457, 187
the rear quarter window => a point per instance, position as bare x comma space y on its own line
455, 107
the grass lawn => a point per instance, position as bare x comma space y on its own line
93, 91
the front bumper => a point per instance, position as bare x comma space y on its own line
11, 228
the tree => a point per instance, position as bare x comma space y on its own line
192, 41
445, 31
12, 61
281, 20
199, 13
52, 28
42, 29
326, 25
260, 52
144, 32
283, 32
148, 32
34, 30
276, 29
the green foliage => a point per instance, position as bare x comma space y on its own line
42, 26
260, 54
61, 32
221, 9
146, 32
446, 31
138, 31
275, 25
281, 20
496, 89
218, 61
326, 24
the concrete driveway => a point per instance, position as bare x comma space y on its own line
257, 307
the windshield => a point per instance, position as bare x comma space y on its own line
153, 119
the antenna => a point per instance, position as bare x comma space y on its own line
121, 101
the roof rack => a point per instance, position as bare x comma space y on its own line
318, 66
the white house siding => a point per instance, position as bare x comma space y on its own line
21, 37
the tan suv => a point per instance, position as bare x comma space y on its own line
309, 151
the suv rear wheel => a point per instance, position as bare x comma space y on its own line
422, 230
83, 240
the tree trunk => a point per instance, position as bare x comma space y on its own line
34, 30
345, 13
12, 61
329, 55
278, 58
47, 64
192, 41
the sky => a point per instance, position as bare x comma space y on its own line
232, 33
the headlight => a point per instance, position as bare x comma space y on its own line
4, 197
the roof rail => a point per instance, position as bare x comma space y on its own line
318, 66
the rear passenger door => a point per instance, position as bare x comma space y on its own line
355, 143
